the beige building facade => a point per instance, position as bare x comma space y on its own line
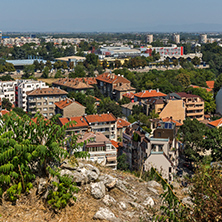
43, 100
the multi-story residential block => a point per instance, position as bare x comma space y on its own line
176, 38
114, 86
24, 86
43, 100
122, 124
69, 108
219, 101
194, 105
203, 38
76, 85
148, 94
7, 90
105, 123
77, 125
149, 38
100, 148
145, 151
169, 107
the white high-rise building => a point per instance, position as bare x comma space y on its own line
203, 38
176, 38
149, 38
22, 88
7, 90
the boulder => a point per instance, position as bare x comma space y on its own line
153, 190
98, 190
109, 181
153, 183
149, 202
108, 200
187, 200
67, 165
92, 168
122, 205
41, 185
105, 214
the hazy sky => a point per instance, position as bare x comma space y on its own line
112, 15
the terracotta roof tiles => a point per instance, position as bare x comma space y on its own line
112, 78
216, 123
210, 84
149, 94
64, 103
122, 123
106, 117
47, 91
80, 121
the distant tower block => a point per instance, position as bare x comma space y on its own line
0, 36
149, 38
176, 38
203, 38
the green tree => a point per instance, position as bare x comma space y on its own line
28, 71
196, 61
184, 79
92, 59
192, 133
218, 84
175, 62
48, 64
23, 145
105, 64
117, 63
19, 111
6, 104
45, 73
122, 163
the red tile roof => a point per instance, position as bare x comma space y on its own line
64, 103
112, 78
208, 90
167, 119
116, 144
80, 121
122, 123
4, 111
186, 95
149, 94
129, 95
47, 91
106, 117
210, 84
216, 123
77, 83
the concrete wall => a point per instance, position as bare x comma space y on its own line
73, 110
174, 108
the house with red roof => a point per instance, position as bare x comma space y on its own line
148, 94
69, 108
122, 124
100, 148
210, 84
114, 86
216, 123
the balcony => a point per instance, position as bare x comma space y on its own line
194, 107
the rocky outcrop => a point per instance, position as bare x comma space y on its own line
98, 190
105, 214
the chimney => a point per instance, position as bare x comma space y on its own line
157, 89
122, 75
118, 74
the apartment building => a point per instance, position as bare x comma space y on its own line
22, 88
77, 125
104, 123
146, 151
43, 100
169, 107
7, 90
114, 86
194, 105
100, 148
76, 84
69, 108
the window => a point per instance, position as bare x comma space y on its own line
45, 108
39, 104
50, 103
50, 108
45, 114
45, 103
51, 114
160, 148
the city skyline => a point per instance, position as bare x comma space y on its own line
115, 16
